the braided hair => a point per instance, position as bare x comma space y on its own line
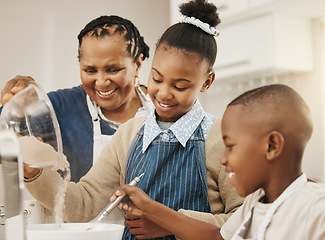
110, 25
190, 38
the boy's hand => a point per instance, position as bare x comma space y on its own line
14, 86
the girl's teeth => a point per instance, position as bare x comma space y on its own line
106, 93
231, 174
164, 105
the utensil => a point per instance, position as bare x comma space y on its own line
112, 205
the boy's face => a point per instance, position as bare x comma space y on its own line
244, 156
175, 80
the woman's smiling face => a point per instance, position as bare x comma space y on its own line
107, 71
175, 81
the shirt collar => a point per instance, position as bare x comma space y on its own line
183, 128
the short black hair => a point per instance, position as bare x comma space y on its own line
272, 90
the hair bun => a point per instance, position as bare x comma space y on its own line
201, 10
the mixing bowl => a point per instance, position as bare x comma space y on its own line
30, 113
74, 231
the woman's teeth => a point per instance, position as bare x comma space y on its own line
106, 93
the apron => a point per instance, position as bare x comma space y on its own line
293, 187
173, 175
100, 140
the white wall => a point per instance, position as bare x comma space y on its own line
39, 37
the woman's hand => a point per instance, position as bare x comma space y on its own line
14, 86
30, 172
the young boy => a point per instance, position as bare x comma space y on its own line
265, 132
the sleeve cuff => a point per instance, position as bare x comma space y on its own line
27, 180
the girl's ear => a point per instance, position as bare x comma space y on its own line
208, 81
275, 145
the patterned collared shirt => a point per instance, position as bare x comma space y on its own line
181, 130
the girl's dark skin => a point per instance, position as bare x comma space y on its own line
139, 204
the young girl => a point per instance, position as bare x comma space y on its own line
111, 51
175, 147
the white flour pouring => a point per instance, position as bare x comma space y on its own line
38, 154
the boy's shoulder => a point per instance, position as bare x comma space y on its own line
312, 193
309, 194
304, 211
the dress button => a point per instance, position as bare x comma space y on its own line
165, 136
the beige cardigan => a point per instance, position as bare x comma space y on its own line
85, 199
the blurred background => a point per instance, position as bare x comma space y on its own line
261, 42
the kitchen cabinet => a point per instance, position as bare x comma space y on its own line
269, 44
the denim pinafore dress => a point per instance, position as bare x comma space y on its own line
173, 175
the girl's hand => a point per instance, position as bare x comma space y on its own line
137, 204
14, 86
143, 228
136, 201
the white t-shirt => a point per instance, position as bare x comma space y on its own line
301, 216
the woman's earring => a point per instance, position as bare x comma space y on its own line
136, 82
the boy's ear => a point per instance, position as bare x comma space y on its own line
275, 145
208, 81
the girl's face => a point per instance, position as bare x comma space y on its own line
107, 72
175, 80
244, 156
